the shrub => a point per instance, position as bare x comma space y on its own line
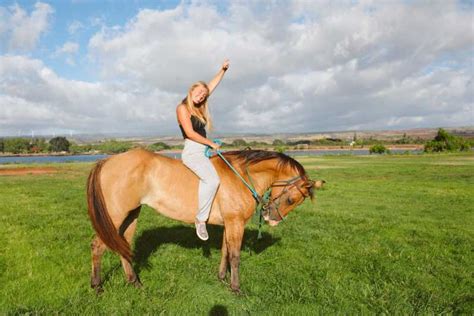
158, 146
16, 145
39, 145
404, 140
280, 149
379, 149
445, 141
114, 147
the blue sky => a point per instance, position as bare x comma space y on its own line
88, 16
296, 66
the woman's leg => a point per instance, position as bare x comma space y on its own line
194, 158
208, 184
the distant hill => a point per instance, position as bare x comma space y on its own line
417, 133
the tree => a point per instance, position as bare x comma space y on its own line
404, 140
38, 145
16, 145
58, 144
445, 141
239, 143
2, 145
278, 142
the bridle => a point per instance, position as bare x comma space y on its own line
265, 201
287, 186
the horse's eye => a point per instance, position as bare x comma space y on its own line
290, 200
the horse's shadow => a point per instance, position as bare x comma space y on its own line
184, 236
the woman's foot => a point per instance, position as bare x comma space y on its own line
201, 230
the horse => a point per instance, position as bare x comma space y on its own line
118, 186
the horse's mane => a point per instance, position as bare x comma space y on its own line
251, 156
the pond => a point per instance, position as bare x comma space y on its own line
92, 158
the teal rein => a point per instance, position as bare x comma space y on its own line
249, 186
261, 201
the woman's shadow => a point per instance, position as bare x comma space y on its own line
150, 240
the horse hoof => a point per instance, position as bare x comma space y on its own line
98, 289
137, 284
221, 276
236, 291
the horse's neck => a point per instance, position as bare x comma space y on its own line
262, 176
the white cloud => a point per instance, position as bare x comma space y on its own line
22, 31
304, 66
68, 48
74, 27
34, 97
339, 55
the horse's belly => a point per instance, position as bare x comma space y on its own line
185, 213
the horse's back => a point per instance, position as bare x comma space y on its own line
125, 177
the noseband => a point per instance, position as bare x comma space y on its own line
287, 185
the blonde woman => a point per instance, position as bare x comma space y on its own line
194, 120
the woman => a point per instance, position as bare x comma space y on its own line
194, 119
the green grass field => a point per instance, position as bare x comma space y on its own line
388, 234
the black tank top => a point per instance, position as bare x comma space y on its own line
198, 127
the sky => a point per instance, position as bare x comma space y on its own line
115, 66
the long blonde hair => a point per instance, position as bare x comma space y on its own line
202, 110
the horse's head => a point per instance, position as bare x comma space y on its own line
290, 187
286, 195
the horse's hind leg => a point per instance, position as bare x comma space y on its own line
128, 228
97, 249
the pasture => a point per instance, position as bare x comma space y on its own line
387, 234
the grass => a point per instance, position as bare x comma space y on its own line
388, 234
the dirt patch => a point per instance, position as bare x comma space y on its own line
26, 171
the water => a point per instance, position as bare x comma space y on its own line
92, 158
51, 159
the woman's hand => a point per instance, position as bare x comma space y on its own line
225, 65
215, 146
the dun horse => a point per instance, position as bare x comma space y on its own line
119, 185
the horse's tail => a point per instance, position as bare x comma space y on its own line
99, 215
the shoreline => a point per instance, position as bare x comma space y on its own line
169, 151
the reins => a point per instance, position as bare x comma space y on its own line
264, 200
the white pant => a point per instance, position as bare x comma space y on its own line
194, 158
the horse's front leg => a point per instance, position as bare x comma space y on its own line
224, 259
234, 233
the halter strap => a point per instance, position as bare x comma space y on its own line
263, 201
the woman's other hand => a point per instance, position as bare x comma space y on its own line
225, 65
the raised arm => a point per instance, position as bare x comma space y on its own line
218, 77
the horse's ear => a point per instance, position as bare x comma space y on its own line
314, 185
318, 184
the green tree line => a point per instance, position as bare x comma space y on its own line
443, 141
18, 145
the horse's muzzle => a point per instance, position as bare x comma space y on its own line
273, 223
267, 216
